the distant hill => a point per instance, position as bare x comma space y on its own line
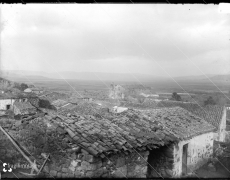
199, 77
221, 78
207, 77
4, 83
89, 76
102, 76
24, 76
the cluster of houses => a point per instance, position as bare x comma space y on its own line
162, 139
19, 104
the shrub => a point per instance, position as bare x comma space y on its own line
209, 101
176, 97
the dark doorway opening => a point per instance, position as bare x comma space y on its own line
153, 162
184, 159
160, 160
7, 107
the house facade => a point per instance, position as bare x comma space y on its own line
117, 109
192, 154
6, 104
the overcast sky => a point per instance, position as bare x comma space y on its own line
175, 40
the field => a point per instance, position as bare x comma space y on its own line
158, 86
198, 91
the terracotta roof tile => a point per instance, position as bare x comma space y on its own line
134, 129
211, 113
24, 105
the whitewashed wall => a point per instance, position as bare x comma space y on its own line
200, 150
5, 102
222, 127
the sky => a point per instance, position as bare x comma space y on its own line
155, 39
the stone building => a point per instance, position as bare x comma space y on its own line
6, 103
165, 142
116, 92
87, 99
117, 109
33, 90
7, 100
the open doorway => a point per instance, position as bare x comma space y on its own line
160, 162
184, 159
8, 107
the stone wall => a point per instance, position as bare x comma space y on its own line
161, 162
80, 164
66, 161
200, 151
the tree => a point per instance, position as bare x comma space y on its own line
176, 97
140, 98
209, 101
24, 86
43, 103
21, 87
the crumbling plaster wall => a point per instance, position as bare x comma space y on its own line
200, 150
4, 102
227, 136
222, 128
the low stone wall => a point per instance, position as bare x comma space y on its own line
81, 164
65, 161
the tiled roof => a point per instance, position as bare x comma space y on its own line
36, 89
211, 113
59, 103
16, 95
24, 105
53, 96
132, 129
106, 103
80, 108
